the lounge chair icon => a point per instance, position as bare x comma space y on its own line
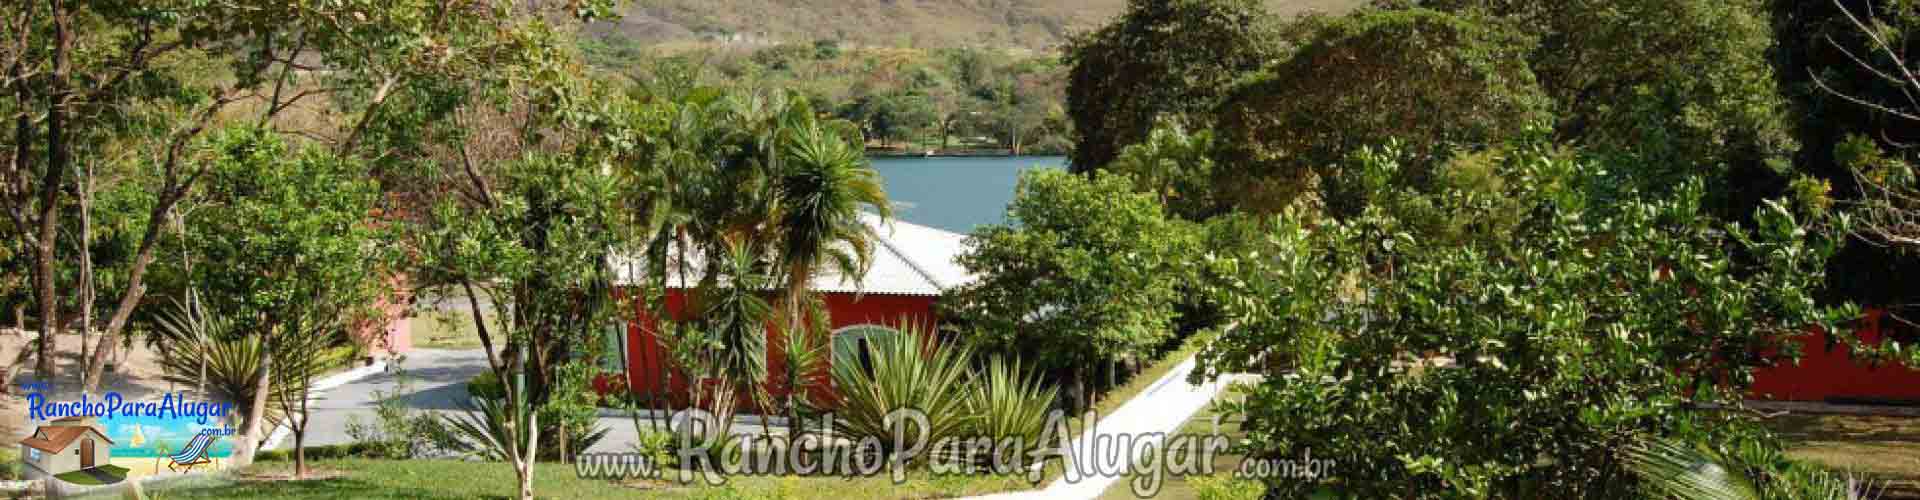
195, 453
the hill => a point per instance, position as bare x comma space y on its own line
1032, 24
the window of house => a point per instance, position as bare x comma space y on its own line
615, 345
853, 344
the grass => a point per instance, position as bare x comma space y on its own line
444, 330
1218, 485
451, 479
81, 477
1885, 448
1110, 402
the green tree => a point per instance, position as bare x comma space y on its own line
824, 186
1517, 361
1686, 87
149, 78
1082, 277
1176, 167
286, 241
1161, 57
1435, 81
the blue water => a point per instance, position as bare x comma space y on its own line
956, 194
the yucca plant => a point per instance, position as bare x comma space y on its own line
906, 373
222, 359
491, 427
1008, 402
1677, 470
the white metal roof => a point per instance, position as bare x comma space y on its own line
908, 259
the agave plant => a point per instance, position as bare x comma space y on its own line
906, 373
222, 359
1677, 470
491, 426
1008, 402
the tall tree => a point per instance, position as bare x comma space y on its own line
1686, 86
287, 246
1161, 57
1083, 277
1351, 85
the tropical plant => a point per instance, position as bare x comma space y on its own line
1677, 470
1007, 402
220, 356
909, 375
498, 430
823, 186
1176, 166
805, 354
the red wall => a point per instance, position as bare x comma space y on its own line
1825, 374
646, 355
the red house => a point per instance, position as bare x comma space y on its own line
912, 267
1829, 372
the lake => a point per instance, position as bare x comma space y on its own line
956, 193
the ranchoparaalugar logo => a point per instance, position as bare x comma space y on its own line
92, 440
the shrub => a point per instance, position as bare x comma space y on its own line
906, 373
1512, 359
486, 385
399, 431
1006, 401
1226, 488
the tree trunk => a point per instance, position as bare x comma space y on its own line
57, 146
946, 132
526, 480
136, 290
523, 448
86, 272
250, 432
300, 427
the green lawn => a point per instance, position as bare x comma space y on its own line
1217, 486
450, 479
1885, 448
84, 478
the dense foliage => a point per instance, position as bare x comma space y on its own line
905, 100
1437, 83
1083, 276
1175, 57
1511, 360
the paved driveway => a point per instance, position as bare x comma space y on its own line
438, 379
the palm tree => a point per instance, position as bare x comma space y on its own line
825, 182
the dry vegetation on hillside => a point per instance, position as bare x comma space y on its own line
1036, 24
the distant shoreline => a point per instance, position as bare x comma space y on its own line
955, 154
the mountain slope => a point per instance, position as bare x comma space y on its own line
1034, 24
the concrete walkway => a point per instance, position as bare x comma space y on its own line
439, 379
1096, 459
439, 384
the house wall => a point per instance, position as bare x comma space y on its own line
648, 369
58, 463
1825, 374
